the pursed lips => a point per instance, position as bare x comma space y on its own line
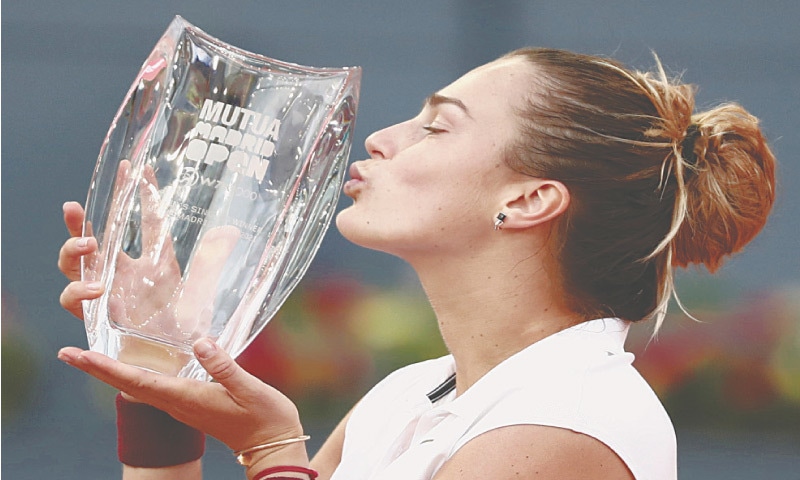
353, 186
354, 172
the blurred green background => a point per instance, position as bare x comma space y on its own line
730, 381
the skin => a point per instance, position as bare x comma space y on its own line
428, 193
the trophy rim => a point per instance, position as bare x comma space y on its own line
352, 71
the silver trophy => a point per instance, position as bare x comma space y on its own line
213, 189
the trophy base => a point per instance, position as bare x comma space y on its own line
152, 355
148, 354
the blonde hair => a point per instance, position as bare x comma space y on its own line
652, 185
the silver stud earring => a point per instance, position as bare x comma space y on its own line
499, 220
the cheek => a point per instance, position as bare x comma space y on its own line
455, 190
407, 203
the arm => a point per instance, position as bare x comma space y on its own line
537, 452
328, 457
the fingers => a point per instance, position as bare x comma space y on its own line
69, 257
204, 274
152, 223
119, 190
73, 295
142, 384
224, 369
168, 393
69, 261
238, 409
132, 380
73, 218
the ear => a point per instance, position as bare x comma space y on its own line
537, 202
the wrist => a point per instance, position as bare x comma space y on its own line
183, 471
150, 438
294, 454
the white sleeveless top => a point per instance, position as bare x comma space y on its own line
580, 379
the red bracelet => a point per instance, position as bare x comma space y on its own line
312, 474
151, 438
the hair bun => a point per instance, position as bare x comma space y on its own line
730, 187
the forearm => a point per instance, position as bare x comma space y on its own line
187, 471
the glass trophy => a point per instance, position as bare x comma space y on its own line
214, 186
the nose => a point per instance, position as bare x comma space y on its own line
377, 145
385, 143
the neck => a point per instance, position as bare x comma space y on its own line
491, 306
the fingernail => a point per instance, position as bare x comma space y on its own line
94, 286
66, 357
205, 348
82, 242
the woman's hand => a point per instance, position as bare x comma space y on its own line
239, 410
69, 262
232, 410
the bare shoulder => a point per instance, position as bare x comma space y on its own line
534, 451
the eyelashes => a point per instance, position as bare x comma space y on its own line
431, 129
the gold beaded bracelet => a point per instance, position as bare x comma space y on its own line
243, 456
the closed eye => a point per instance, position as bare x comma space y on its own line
433, 130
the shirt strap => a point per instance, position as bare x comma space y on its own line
443, 389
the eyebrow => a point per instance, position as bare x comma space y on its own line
437, 99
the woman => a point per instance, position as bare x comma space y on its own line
544, 200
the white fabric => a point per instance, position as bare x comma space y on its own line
579, 379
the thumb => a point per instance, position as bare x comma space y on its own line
221, 366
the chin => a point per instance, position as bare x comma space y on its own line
351, 228
356, 229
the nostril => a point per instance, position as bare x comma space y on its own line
372, 147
